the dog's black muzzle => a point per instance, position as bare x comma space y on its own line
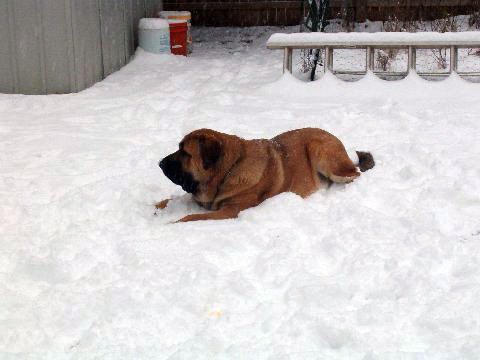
172, 169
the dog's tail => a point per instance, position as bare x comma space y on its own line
365, 161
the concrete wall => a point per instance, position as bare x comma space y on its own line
63, 46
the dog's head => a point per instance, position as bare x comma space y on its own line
195, 161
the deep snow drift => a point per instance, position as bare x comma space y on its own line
383, 268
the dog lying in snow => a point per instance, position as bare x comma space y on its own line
227, 174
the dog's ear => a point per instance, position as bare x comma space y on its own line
210, 151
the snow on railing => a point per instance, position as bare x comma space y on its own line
372, 41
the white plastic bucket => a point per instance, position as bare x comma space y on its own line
154, 35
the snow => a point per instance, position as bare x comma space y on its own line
383, 268
166, 14
377, 38
153, 24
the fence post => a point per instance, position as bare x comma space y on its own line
412, 58
330, 60
327, 66
290, 60
287, 60
453, 59
370, 59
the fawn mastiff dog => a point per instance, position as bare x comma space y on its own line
227, 174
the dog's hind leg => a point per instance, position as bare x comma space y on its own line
331, 160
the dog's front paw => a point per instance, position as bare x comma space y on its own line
162, 204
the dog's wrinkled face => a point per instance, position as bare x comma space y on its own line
173, 169
194, 162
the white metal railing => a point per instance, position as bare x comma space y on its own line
371, 41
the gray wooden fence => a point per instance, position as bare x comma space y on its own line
64, 46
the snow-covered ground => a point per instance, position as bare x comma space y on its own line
385, 268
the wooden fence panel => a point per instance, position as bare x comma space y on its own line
28, 59
128, 28
7, 67
152, 7
86, 43
58, 56
288, 12
62, 46
113, 35
138, 12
